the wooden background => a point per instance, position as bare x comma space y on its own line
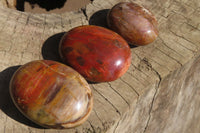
160, 93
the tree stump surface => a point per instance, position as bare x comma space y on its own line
160, 93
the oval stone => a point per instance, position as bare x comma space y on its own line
51, 94
97, 53
136, 24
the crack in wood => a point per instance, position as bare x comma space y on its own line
153, 99
165, 17
84, 11
194, 27
130, 87
116, 126
62, 23
139, 70
118, 112
183, 38
149, 64
14, 29
156, 90
186, 47
118, 94
7, 4
152, 102
27, 19
29, 130
137, 78
145, 60
162, 65
177, 13
91, 126
178, 62
163, 42
5, 22
97, 116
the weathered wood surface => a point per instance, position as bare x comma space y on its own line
159, 93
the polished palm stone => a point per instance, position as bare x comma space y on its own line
98, 54
136, 24
51, 94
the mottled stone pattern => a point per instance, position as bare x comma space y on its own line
121, 105
136, 24
98, 54
51, 94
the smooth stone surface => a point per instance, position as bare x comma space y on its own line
22, 36
51, 94
134, 23
97, 53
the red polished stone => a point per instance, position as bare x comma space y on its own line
97, 53
136, 24
51, 94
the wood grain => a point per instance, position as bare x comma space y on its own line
146, 99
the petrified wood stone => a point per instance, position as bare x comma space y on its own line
140, 101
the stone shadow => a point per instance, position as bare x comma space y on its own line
50, 47
6, 104
99, 18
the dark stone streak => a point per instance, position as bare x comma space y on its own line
39, 69
99, 61
80, 60
53, 90
117, 43
94, 71
68, 50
